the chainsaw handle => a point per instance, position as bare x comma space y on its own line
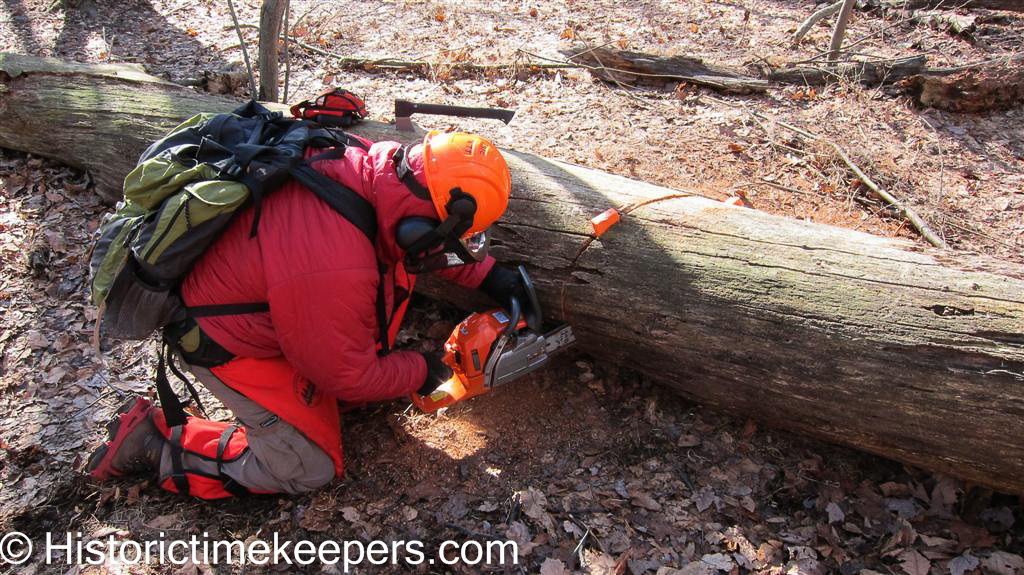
515, 311
534, 319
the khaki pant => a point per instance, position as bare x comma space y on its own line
284, 450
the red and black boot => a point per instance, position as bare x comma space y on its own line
133, 445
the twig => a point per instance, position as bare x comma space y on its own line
703, 81
906, 212
245, 52
982, 234
398, 65
915, 220
623, 87
848, 46
955, 69
787, 188
814, 19
589, 50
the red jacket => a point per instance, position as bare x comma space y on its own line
319, 274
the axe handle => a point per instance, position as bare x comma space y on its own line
405, 108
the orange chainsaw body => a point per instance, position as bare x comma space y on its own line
494, 347
467, 350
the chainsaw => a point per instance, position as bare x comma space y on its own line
492, 348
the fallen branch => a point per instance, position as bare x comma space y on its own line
906, 212
875, 72
424, 67
910, 215
635, 67
814, 19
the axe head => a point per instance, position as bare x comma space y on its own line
403, 123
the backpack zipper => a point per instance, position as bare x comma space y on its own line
167, 230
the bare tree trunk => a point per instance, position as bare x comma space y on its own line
839, 32
271, 14
876, 343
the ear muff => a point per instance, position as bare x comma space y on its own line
461, 211
415, 230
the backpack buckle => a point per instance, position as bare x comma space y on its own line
231, 172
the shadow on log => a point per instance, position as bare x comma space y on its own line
875, 343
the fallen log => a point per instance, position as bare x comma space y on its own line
878, 72
875, 343
635, 67
988, 87
886, 5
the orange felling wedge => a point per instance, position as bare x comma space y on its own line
604, 220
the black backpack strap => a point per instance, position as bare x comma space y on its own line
401, 161
226, 309
174, 412
383, 325
230, 485
349, 204
177, 465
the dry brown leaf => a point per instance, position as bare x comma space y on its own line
598, 563
913, 563
1003, 563
552, 566
641, 499
962, 564
162, 522
688, 440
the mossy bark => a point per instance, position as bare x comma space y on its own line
880, 344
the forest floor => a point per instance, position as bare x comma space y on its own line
589, 468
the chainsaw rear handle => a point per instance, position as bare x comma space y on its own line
534, 317
515, 311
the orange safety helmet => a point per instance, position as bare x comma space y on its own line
471, 164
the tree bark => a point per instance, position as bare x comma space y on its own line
271, 13
876, 343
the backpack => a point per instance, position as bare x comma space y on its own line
333, 107
185, 190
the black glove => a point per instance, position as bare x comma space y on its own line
437, 373
502, 283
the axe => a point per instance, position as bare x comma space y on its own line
404, 109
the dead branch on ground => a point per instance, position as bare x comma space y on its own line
909, 214
635, 67
814, 18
